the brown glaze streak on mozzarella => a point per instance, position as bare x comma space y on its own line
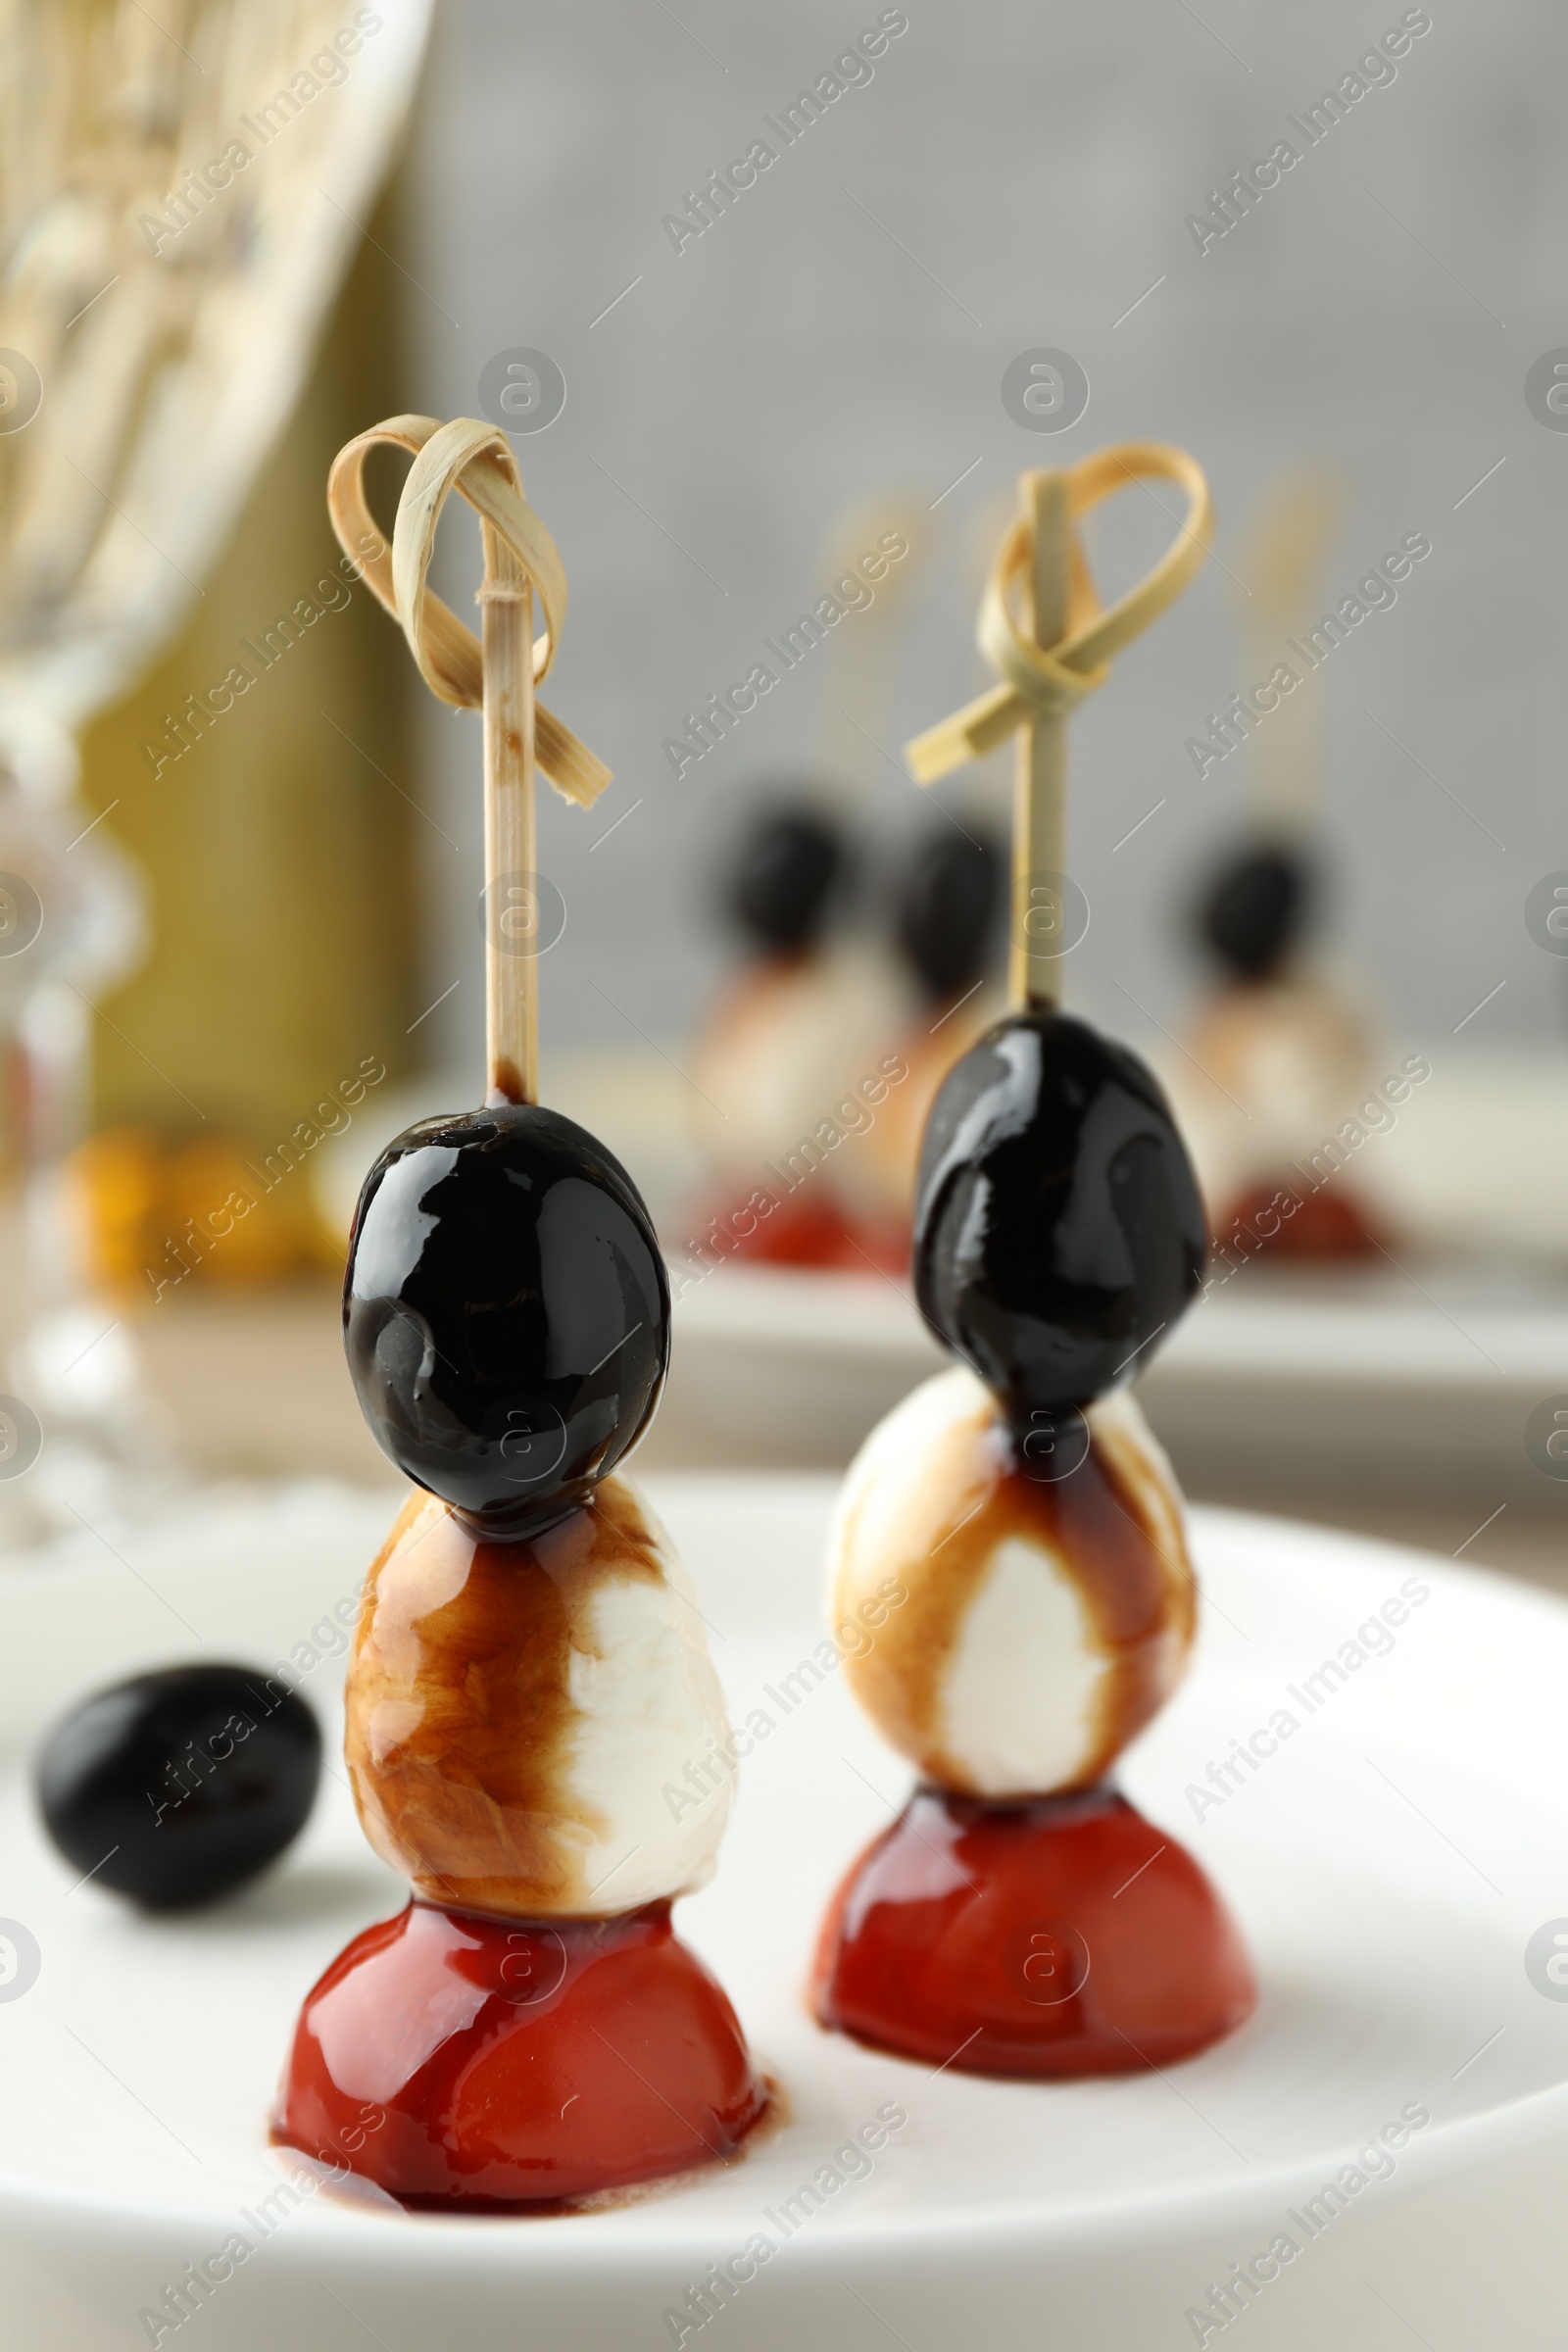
1115, 1532
1144, 1610
458, 1713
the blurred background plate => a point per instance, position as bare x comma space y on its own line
1361, 1385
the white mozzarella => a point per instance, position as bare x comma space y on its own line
648, 1714
1017, 1705
1008, 1692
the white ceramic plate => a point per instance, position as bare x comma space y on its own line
1390, 1862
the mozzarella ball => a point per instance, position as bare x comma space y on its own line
1008, 1633
524, 1718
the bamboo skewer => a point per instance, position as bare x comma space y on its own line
495, 672
1040, 790
1045, 674
512, 893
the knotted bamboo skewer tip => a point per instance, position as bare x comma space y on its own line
495, 672
1048, 656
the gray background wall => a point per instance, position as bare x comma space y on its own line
1029, 171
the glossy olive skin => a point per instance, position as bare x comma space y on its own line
505, 1312
1255, 910
782, 877
178, 1787
1058, 1227
946, 913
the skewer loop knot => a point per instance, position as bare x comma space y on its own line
1036, 682
475, 460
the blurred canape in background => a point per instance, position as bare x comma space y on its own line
800, 1029
947, 909
813, 1068
1286, 1050
1281, 1051
822, 1041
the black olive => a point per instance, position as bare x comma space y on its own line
947, 907
1254, 908
781, 878
177, 1787
1058, 1228
505, 1312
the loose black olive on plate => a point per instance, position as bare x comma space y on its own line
506, 1313
177, 1787
1058, 1231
